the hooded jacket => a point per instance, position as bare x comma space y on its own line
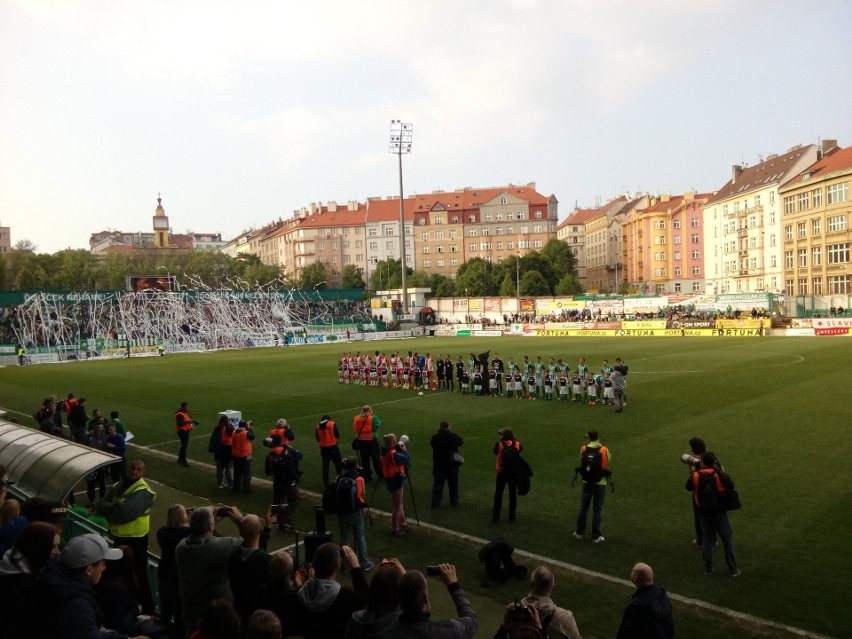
63, 595
648, 615
325, 606
364, 626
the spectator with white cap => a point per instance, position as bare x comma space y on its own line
67, 587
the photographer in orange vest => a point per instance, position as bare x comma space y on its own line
328, 436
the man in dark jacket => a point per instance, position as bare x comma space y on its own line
415, 609
66, 585
649, 613
445, 444
248, 566
325, 606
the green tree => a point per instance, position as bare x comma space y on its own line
560, 258
569, 285
314, 276
419, 279
509, 286
533, 283
352, 277
78, 269
388, 274
535, 262
114, 271
445, 287
476, 277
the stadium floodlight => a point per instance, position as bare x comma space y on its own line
401, 138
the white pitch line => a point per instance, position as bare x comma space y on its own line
728, 612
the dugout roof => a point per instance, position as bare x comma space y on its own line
43, 465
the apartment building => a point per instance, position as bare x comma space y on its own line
5, 239
665, 244
382, 234
742, 224
815, 226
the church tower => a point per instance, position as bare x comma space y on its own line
161, 225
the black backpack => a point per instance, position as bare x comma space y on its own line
284, 465
591, 465
709, 497
346, 496
215, 445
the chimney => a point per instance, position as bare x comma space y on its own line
332, 206
828, 145
737, 169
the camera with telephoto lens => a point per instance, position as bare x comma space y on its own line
690, 460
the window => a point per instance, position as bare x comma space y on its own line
838, 284
677, 287
816, 257
772, 239
525, 230
359, 243
374, 246
389, 245
439, 263
816, 196
677, 255
524, 244
725, 209
788, 259
320, 246
427, 263
789, 205
696, 270
426, 249
816, 283
757, 200
485, 231
696, 254
676, 224
659, 224
454, 219
472, 233
472, 247
488, 217
471, 218
677, 239
736, 207
424, 235
836, 223
803, 229
788, 232
803, 257
752, 242
773, 261
693, 222
659, 240
803, 286
510, 246
439, 248
439, 219
752, 221
677, 271
696, 287
439, 235
538, 215
837, 193
537, 228
422, 221
816, 226
771, 197
373, 232
660, 256
537, 244
454, 262
804, 201
837, 253
695, 238
485, 246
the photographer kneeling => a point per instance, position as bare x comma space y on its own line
395, 462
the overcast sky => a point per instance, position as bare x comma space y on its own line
241, 112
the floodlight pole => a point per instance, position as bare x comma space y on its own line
401, 136
518, 283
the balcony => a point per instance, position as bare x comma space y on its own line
742, 232
742, 253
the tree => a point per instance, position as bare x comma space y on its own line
569, 285
445, 287
388, 274
476, 277
533, 283
509, 286
314, 276
560, 258
78, 269
352, 277
25, 246
419, 279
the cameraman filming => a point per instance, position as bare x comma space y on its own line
395, 462
282, 462
698, 448
713, 492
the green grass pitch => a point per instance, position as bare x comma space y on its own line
775, 410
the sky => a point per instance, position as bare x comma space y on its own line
240, 113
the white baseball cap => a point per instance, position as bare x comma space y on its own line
86, 550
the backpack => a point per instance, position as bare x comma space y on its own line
215, 444
346, 496
591, 465
285, 465
510, 460
709, 497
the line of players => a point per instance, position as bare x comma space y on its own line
525, 380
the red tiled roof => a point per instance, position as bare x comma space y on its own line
835, 160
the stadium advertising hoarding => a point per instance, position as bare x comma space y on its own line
831, 325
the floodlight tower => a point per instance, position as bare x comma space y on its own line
401, 136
